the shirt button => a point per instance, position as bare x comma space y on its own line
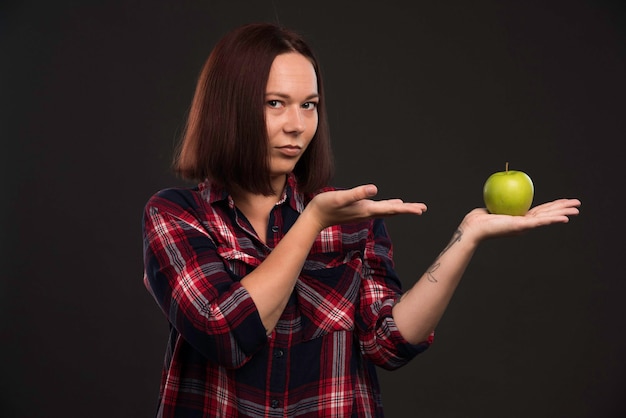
275, 403
275, 228
278, 353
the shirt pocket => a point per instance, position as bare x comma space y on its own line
327, 293
237, 262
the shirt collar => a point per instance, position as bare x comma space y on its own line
291, 195
212, 192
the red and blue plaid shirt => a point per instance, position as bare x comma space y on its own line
320, 359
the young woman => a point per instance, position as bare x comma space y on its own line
279, 290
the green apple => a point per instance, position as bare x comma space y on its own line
508, 192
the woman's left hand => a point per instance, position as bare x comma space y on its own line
482, 225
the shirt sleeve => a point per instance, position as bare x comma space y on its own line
187, 278
379, 337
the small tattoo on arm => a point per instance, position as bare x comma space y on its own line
431, 270
456, 237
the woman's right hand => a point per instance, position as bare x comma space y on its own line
353, 205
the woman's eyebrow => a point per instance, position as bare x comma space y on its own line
286, 96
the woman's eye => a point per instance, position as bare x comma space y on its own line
273, 103
309, 105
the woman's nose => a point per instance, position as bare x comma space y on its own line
295, 120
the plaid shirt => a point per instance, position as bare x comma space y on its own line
320, 359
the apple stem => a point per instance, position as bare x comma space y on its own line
506, 167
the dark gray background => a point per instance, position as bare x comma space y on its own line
426, 99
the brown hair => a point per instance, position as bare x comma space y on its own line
225, 138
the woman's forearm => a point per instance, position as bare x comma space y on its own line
272, 282
421, 307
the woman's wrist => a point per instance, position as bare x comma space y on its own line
467, 233
310, 216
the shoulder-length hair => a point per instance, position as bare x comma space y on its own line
225, 138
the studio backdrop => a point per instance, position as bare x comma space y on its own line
425, 99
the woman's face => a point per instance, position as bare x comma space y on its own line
291, 100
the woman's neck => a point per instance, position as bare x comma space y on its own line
243, 197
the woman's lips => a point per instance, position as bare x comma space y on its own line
290, 150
